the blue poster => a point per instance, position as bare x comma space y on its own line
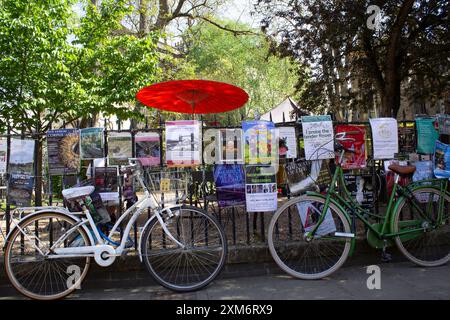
442, 160
230, 184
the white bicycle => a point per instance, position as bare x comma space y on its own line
48, 253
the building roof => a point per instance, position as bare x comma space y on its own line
286, 107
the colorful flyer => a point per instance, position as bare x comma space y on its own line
3, 155
63, 149
91, 143
384, 138
148, 149
442, 160
356, 143
260, 142
20, 189
230, 184
119, 148
426, 135
287, 142
183, 143
318, 136
260, 189
22, 156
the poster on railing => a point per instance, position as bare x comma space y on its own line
287, 143
318, 137
384, 138
21, 156
231, 146
427, 135
308, 214
148, 149
91, 143
20, 189
259, 142
355, 143
120, 148
407, 137
361, 188
442, 160
183, 143
63, 150
230, 184
3, 155
106, 182
424, 170
444, 124
260, 189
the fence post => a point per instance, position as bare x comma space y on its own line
8, 176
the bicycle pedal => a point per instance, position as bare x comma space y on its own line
386, 257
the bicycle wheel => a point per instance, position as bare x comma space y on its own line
431, 246
303, 258
28, 261
196, 265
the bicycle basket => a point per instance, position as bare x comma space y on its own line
168, 187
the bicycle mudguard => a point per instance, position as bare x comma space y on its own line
337, 204
62, 211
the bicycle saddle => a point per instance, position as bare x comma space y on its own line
402, 170
77, 192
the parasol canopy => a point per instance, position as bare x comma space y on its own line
193, 96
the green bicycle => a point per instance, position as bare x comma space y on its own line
311, 236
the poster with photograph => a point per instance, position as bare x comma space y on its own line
361, 189
427, 134
407, 137
444, 124
310, 214
106, 182
318, 136
442, 160
287, 142
384, 138
20, 189
21, 157
148, 148
259, 142
3, 155
119, 148
230, 184
63, 150
260, 190
91, 143
231, 146
183, 143
356, 159
424, 170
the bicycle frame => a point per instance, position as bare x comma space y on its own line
347, 202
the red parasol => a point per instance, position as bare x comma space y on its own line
193, 96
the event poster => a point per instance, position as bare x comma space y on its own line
442, 160
426, 135
119, 148
407, 137
183, 143
310, 214
356, 143
230, 184
259, 142
91, 143
287, 142
106, 181
230, 146
3, 155
303, 175
148, 149
424, 170
20, 189
444, 124
361, 189
63, 149
318, 137
384, 138
21, 157
260, 189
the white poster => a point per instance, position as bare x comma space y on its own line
3, 155
318, 136
288, 142
260, 190
22, 156
384, 138
310, 215
183, 143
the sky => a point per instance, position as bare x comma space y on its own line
239, 11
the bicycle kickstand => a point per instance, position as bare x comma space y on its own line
385, 256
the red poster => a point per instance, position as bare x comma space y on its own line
356, 143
